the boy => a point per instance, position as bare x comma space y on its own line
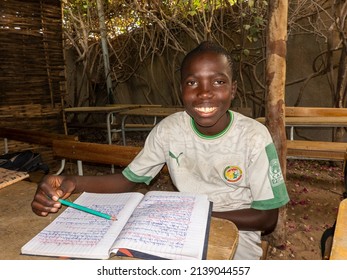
207, 148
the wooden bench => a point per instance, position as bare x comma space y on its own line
34, 137
314, 117
318, 150
319, 117
118, 155
315, 112
94, 153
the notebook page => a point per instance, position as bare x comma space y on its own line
77, 234
167, 224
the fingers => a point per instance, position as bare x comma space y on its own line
42, 205
51, 186
46, 196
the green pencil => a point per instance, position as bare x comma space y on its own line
86, 209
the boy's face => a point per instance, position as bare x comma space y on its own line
207, 91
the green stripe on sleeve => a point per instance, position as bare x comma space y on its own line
131, 176
277, 183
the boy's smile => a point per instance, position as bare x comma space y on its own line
206, 109
207, 91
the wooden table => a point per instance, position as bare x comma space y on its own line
18, 224
331, 121
109, 110
155, 113
339, 246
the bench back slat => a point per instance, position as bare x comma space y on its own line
316, 149
33, 136
95, 152
314, 112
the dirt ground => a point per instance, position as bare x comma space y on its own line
315, 189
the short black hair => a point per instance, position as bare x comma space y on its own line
208, 46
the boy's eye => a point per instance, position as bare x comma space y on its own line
191, 83
219, 82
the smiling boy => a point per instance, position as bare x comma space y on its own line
207, 149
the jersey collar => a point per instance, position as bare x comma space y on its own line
218, 135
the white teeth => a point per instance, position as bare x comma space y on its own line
206, 109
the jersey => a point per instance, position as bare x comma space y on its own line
237, 168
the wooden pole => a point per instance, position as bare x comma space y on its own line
275, 101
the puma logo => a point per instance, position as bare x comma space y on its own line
175, 157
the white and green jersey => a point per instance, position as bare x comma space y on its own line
237, 168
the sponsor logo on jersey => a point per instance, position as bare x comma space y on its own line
172, 155
275, 172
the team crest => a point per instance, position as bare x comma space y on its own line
232, 174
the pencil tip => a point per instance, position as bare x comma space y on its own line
113, 218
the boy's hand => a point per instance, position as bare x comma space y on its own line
49, 190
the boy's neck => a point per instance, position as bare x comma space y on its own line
217, 135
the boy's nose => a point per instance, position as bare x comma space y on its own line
205, 91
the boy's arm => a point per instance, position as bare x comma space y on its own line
114, 183
251, 219
52, 187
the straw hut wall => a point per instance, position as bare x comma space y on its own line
31, 66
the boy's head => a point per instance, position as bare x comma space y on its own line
208, 46
208, 87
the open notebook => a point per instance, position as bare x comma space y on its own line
158, 225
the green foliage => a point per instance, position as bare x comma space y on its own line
124, 16
255, 19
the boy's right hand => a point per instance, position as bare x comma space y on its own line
49, 190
